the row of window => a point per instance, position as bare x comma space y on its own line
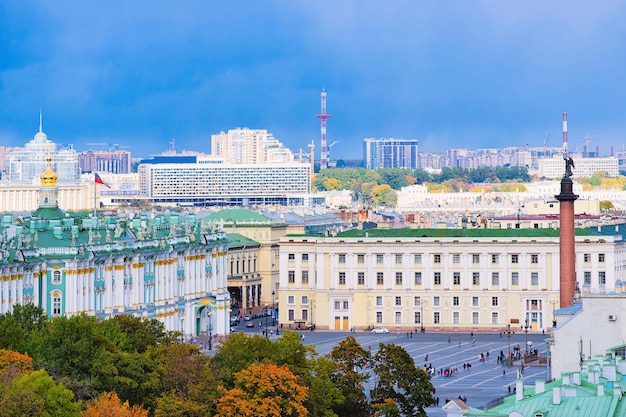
417, 317
417, 301
456, 258
456, 317
456, 278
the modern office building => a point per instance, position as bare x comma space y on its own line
114, 162
441, 279
164, 266
192, 180
390, 153
27, 163
249, 146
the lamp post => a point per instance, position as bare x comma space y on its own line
508, 333
273, 309
210, 329
554, 303
526, 326
548, 376
267, 333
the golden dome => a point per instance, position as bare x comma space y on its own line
49, 177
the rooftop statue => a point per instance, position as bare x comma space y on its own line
569, 164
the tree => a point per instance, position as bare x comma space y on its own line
264, 390
349, 357
237, 353
332, 184
17, 326
401, 381
384, 195
325, 397
10, 360
396, 178
36, 394
108, 404
606, 205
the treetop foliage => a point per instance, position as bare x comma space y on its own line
131, 367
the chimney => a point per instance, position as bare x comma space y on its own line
556, 395
540, 386
519, 390
600, 390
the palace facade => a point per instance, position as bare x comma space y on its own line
168, 266
439, 279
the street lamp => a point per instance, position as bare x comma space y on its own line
508, 333
273, 309
210, 329
526, 326
267, 334
554, 303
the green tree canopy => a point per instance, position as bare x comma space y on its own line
401, 381
37, 394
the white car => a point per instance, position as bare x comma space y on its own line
380, 330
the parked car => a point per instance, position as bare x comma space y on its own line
380, 330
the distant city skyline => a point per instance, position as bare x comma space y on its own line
474, 75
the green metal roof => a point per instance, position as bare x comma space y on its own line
586, 403
460, 233
239, 241
238, 216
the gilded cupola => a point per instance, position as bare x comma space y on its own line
49, 177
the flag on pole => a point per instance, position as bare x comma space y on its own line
98, 180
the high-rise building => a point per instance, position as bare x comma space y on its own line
115, 162
27, 163
249, 146
390, 153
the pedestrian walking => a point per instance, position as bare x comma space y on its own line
503, 373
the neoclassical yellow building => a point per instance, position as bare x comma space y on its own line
438, 279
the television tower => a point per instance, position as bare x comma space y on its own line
323, 116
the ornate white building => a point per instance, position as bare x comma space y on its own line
27, 163
165, 266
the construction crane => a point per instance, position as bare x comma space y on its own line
312, 146
112, 146
545, 145
328, 150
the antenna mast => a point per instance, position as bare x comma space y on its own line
565, 134
323, 116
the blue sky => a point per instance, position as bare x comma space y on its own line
463, 74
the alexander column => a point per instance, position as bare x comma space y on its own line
566, 236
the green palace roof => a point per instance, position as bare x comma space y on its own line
460, 233
239, 216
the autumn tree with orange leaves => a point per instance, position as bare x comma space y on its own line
108, 404
264, 390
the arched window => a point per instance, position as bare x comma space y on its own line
56, 303
56, 277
